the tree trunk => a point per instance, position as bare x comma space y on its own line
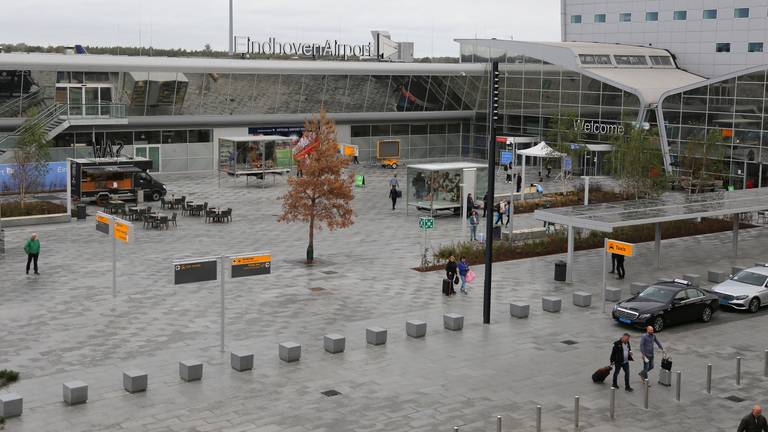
311, 246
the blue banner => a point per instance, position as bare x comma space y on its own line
506, 157
55, 179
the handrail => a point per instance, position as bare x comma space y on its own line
14, 103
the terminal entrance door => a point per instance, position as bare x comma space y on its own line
151, 152
85, 99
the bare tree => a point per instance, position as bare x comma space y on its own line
30, 157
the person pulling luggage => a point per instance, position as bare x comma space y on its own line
621, 355
451, 274
647, 342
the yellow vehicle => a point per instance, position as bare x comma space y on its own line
389, 163
388, 153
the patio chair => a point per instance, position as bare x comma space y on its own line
227, 214
145, 220
173, 219
163, 221
184, 209
163, 202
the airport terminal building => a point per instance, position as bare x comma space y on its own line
173, 110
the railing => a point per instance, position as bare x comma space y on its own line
95, 110
16, 107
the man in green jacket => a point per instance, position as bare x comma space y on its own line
32, 248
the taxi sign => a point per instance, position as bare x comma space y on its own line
426, 223
103, 222
251, 264
122, 230
620, 248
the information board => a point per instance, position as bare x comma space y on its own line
506, 157
388, 149
122, 230
567, 164
201, 270
426, 223
102, 223
251, 265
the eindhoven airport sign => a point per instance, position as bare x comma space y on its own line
329, 49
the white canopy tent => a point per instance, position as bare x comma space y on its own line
540, 150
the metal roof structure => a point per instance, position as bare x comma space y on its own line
444, 166
110, 63
670, 207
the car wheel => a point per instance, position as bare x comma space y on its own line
658, 324
155, 195
393, 166
706, 314
754, 305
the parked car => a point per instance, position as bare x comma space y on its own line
746, 290
665, 303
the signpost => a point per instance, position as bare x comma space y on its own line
426, 223
613, 247
207, 269
120, 230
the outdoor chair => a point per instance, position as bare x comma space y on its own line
162, 221
210, 214
173, 219
163, 202
185, 209
762, 216
227, 214
145, 220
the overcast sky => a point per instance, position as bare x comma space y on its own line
431, 24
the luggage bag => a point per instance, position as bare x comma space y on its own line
448, 287
601, 374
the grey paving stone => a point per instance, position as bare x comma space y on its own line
453, 321
551, 304
135, 380
289, 351
519, 310
191, 370
75, 392
582, 299
241, 360
334, 343
376, 335
416, 328
11, 405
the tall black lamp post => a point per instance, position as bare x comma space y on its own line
493, 114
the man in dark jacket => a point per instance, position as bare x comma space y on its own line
621, 355
470, 205
620, 266
754, 421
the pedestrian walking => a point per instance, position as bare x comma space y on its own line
393, 182
621, 355
394, 194
501, 210
463, 268
549, 170
754, 421
485, 203
519, 183
508, 172
474, 221
613, 263
470, 204
508, 211
32, 249
620, 271
451, 273
647, 342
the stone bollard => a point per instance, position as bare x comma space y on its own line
135, 380
736, 270
692, 278
612, 294
416, 328
582, 299
452, 321
289, 351
334, 343
636, 288
551, 304
75, 392
11, 405
519, 310
376, 335
191, 370
716, 276
241, 361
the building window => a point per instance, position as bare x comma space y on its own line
625, 17
575, 19
651, 16
741, 13
680, 15
722, 47
710, 14
595, 59
661, 60
599, 18
755, 47
630, 60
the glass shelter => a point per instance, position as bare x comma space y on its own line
436, 187
256, 156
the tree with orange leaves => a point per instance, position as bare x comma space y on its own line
322, 195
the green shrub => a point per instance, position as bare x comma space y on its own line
8, 376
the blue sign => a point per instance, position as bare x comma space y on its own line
567, 164
506, 157
55, 179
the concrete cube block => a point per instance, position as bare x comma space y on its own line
759, 264
191, 370
415, 328
612, 294
717, 276
135, 380
11, 405
551, 304
75, 392
636, 288
692, 278
241, 361
519, 310
376, 335
334, 343
290, 351
582, 299
736, 269
453, 321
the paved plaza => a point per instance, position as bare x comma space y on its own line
65, 325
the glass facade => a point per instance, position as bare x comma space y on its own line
418, 140
729, 113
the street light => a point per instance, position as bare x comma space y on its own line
493, 115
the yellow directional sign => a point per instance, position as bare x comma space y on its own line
251, 265
122, 231
620, 248
102, 223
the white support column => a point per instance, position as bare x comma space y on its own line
736, 235
657, 240
569, 261
523, 185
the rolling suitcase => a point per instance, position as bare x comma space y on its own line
448, 287
601, 374
665, 374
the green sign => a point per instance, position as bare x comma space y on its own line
359, 180
426, 223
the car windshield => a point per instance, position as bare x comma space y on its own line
656, 294
750, 278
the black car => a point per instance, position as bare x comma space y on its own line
664, 303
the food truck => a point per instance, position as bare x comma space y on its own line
256, 156
101, 179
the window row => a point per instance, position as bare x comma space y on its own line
178, 136
384, 130
678, 15
752, 47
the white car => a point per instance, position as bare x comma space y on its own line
746, 290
